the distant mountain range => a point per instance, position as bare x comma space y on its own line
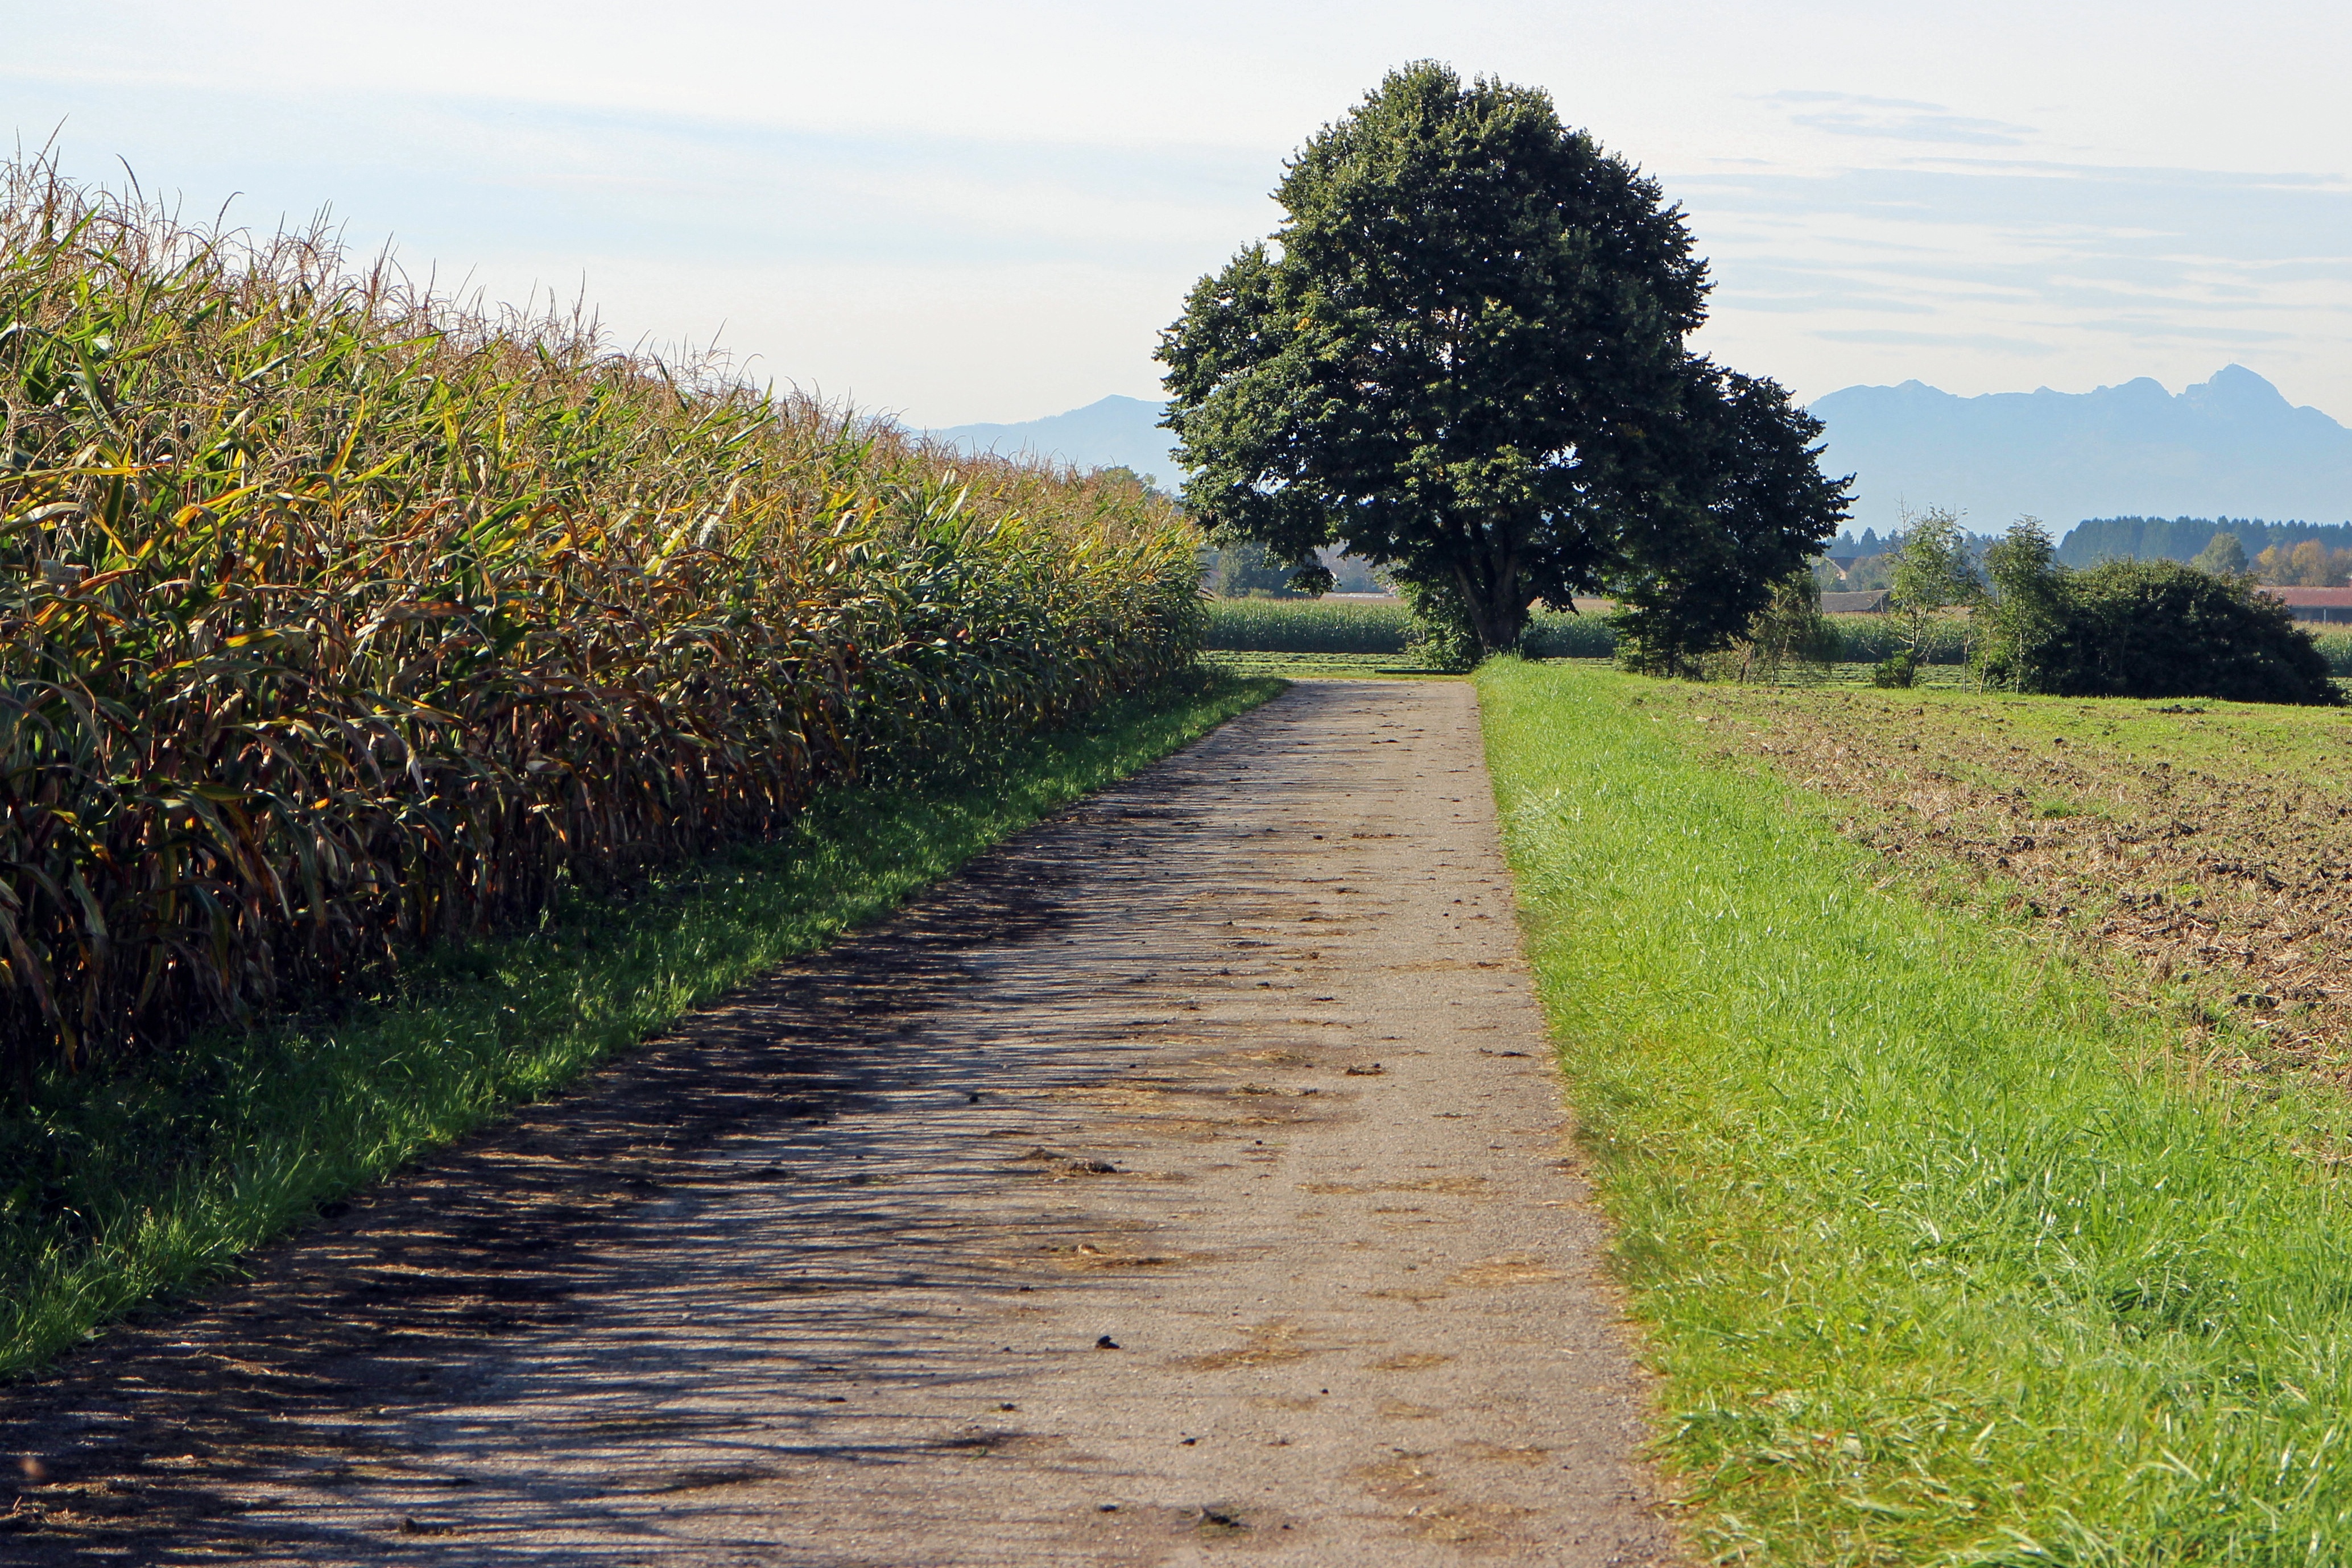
2231, 446
1115, 433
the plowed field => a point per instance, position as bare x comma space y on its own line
2204, 850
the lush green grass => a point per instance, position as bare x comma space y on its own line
1381, 666
1941, 1259
1949, 677
124, 1187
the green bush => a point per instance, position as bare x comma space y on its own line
2152, 629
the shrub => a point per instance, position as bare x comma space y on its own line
1441, 634
2160, 629
1898, 671
2142, 629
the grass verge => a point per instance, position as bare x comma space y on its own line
1942, 1260
126, 1189
1363, 667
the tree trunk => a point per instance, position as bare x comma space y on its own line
1497, 611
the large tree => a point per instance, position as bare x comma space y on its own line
1461, 356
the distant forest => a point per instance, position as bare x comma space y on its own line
2142, 539
2179, 539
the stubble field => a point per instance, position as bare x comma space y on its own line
2199, 850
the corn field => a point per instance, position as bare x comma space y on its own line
337, 619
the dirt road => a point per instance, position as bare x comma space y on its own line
1186, 1179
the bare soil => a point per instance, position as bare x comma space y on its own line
2204, 843
1188, 1177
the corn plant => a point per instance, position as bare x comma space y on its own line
336, 619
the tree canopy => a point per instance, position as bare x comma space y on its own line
2223, 555
1461, 354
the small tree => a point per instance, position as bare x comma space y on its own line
2309, 562
1242, 568
1789, 629
2224, 556
1932, 573
2028, 605
1440, 634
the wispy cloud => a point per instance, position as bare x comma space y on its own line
1896, 119
1988, 342
2156, 328
1956, 270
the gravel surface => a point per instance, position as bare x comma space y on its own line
1187, 1178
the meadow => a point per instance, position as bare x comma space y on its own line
1977, 1210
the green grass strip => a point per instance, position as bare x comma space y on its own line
1934, 1273
1359, 666
127, 1189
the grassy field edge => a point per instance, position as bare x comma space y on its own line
135, 1187
1939, 1260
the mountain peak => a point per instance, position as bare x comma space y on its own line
2231, 445
2237, 388
1114, 432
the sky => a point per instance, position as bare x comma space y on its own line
961, 212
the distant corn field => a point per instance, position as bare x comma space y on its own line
335, 618
1357, 626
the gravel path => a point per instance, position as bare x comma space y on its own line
1185, 1179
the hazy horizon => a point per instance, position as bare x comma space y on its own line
2230, 444
961, 214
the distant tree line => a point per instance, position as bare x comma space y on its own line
2284, 555
2321, 557
2184, 538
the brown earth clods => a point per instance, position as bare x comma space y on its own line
2233, 877
1188, 1177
